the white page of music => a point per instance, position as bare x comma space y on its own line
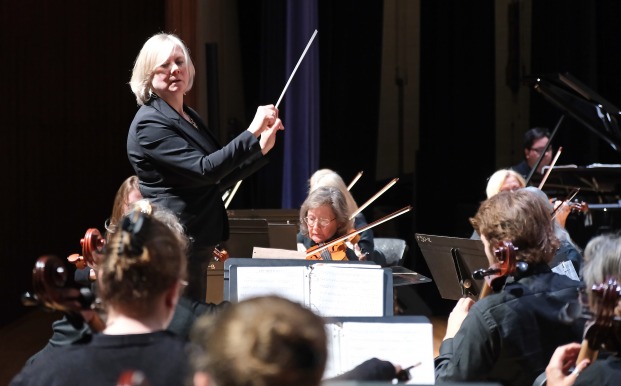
286, 282
404, 344
346, 290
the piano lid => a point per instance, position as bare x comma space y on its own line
583, 104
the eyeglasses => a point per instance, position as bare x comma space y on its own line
539, 150
321, 222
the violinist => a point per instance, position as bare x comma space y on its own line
535, 142
510, 335
324, 216
140, 279
602, 263
567, 250
364, 247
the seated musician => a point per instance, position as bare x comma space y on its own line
324, 216
568, 250
535, 141
365, 247
510, 335
69, 329
603, 262
139, 279
268, 341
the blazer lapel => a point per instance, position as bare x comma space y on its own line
200, 138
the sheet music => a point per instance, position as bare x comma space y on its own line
346, 290
287, 282
404, 344
566, 268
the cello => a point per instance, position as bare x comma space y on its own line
496, 275
92, 247
600, 330
49, 281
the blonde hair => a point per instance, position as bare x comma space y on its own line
264, 341
498, 178
153, 54
328, 177
121, 200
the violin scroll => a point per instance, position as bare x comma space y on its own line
496, 275
92, 247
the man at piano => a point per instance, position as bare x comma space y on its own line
535, 142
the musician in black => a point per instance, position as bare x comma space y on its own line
140, 279
535, 142
510, 335
603, 262
324, 216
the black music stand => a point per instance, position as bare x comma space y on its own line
245, 234
452, 261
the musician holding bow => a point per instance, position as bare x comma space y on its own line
324, 216
510, 335
603, 264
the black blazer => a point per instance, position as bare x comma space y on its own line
186, 170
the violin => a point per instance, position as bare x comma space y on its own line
333, 252
496, 275
315, 252
49, 281
599, 331
91, 243
220, 254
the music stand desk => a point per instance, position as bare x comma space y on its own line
451, 261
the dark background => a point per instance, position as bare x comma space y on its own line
66, 108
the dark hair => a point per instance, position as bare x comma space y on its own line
534, 134
143, 259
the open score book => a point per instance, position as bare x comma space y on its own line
327, 289
402, 340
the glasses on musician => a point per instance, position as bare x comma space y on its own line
321, 222
539, 150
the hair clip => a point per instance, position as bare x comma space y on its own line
135, 224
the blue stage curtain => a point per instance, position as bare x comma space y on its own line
300, 105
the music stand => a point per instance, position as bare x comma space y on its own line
451, 261
245, 234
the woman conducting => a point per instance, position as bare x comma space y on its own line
178, 160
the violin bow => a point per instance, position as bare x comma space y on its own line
370, 200
362, 229
569, 198
545, 177
536, 165
353, 182
296, 67
229, 198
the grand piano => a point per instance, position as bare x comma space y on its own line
599, 184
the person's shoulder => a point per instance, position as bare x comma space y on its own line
48, 366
